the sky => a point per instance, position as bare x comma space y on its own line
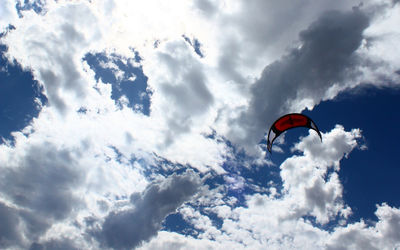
142, 124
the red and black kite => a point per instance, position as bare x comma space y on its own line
289, 121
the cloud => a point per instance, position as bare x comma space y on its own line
49, 190
383, 235
60, 244
129, 228
38, 185
55, 56
42, 182
206, 6
250, 35
173, 241
192, 96
183, 100
298, 216
8, 14
9, 234
70, 172
181, 86
338, 144
303, 77
183, 106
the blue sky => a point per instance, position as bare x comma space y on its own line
18, 95
128, 125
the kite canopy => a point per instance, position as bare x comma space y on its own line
289, 121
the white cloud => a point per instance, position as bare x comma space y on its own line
311, 191
171, 241
383, 235
180, 88
54, 56
196, 93
8, 14
129, 228
54, 180
260, 59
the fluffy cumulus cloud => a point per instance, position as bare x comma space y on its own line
55, 56
156, 111
293, 217
128, 228
384, 235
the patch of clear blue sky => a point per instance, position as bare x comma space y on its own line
18, 92
176, 223
135, 90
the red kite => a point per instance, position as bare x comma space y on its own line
289, 121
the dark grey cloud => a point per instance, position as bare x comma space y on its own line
266, 22
230, 60
259, 30
325, 58
129, 228
9, 234
43, 181
40, 186
61, 244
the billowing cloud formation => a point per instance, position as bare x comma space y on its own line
292, 218
55, 55
384, 235
325, 59
181, 85
218, 73
40, 186
129, 228
42, 181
